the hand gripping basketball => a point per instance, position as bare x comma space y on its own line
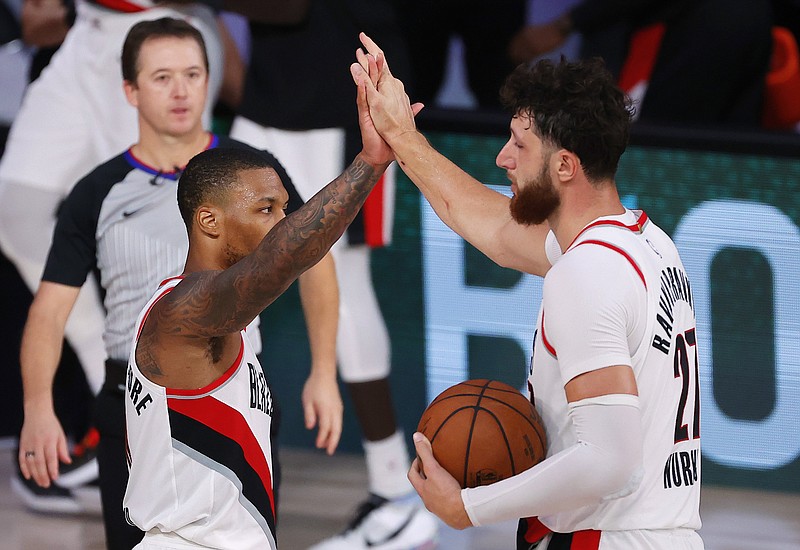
482, 431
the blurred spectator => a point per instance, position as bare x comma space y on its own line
485, 29
687, 61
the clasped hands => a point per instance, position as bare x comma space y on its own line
390, 111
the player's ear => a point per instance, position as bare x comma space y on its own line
131, 92
207, 219
567, 164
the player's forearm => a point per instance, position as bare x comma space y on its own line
44, 24
319, 296
233, 297
306, 235
477, 213
446, 186
604, 464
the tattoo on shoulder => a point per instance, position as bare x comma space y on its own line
145, 359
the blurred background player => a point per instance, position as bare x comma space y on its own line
121, 221
297, 113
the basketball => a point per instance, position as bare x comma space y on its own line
483, 431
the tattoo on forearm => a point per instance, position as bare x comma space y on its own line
216, 303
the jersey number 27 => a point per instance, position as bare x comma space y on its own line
686, 352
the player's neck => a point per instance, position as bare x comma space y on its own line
166, 152
203, 256
206, 252
580, 209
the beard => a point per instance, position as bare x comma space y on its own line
536, 200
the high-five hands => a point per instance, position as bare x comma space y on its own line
391, 112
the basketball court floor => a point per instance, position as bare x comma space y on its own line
320, 493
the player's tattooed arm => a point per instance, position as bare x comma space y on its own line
214, 303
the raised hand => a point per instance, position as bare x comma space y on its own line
376, 150
389, 108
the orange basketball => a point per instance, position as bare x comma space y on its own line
484, 431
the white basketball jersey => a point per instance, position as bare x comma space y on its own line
639, 313
200, 460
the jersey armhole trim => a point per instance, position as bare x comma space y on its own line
149, 309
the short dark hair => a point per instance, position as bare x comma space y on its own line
143, 31
213, 173
574, 105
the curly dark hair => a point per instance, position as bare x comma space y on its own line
575, 105
211, 174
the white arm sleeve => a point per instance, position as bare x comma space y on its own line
605, 463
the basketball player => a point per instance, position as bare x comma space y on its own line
200, 459
614, 368
122, 222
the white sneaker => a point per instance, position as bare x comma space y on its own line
380, 524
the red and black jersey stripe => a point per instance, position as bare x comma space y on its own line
219, 433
